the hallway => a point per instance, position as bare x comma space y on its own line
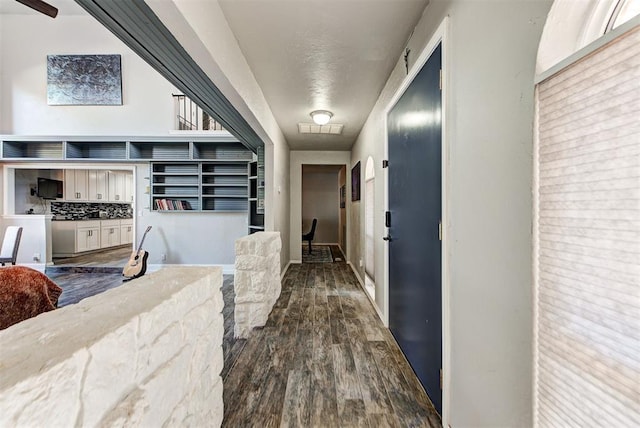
323, 359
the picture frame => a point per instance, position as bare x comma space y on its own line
84, 80
343, 195
355, 182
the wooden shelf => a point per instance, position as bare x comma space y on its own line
32, 150
222, 149
116, 150
256, 196
206, 186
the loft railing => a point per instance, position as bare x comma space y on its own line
190, 117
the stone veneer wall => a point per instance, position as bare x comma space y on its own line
257, 280
147, 353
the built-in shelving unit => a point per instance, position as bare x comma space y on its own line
199, 186
173, 148
155, 150
32, 150
256, 193
187, 173
116, 150
218, 184
175, 181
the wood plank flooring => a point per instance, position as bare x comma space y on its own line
77, 286
324, 359
114, 257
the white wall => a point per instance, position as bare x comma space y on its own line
25, 42
27, 179
195, 238
491, 63
202, 29
321, 200
299, 158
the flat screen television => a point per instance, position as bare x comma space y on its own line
49, 189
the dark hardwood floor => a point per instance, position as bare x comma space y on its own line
231, 347
324, 359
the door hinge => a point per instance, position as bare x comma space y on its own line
441, 381
387, 219
385, 163
440, 84
440, 230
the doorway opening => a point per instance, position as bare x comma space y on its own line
323, 199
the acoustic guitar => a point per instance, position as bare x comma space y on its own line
137, 264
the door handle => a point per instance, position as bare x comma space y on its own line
387, 238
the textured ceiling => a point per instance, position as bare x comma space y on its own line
322, 54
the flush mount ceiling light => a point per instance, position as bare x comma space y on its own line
321, 117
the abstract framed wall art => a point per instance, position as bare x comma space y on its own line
355, 182
84, 80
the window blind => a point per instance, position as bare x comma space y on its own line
369, 265
587, 241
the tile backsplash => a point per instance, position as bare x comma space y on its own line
83, 210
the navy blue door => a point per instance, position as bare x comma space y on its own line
415, 191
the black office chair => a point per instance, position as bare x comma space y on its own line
309, 236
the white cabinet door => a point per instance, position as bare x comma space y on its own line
116, 186
109, 236
76, 185
126, 234
87, 239
128, 187
98, 190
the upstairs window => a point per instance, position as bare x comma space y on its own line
623, 12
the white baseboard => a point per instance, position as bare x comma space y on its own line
355, 272
226, 269
284, 271
40, 267
361, 282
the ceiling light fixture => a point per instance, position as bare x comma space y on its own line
321, 117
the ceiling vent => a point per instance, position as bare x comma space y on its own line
312, 128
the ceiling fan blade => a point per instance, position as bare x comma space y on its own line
41, 7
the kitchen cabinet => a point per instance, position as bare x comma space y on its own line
126, 232
87, 238
128, 187
109, 233
96, 185
98, 188
76, 185
73, 237
120, 186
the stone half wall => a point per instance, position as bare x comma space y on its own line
257, 280
148, 353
